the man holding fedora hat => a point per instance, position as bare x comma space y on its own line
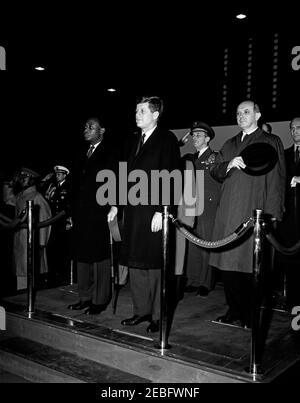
251, 168
200, 276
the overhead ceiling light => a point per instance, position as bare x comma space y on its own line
39, 68
241, 16
111, 90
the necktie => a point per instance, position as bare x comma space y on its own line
90, 151
140, 144
297, 155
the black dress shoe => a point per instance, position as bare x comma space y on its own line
80, 305
202, 291
95, 309
229, 319
136, 319
153, 327
190, 288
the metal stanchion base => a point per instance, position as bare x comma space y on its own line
255, 370
162, 348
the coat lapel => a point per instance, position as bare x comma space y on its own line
293, 167
132, 149
149, 143
205, 155
95, 153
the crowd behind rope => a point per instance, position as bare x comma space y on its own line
232, 190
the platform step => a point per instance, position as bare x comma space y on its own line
131, 354
7, 378
38, 362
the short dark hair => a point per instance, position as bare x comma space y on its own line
155, 103
291, 122
269, 127
94, 119
262, 122
256, 108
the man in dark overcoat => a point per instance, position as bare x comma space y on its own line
201, 276
289, 228
151, 149
91, 240
241, 194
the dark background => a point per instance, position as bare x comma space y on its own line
176, 52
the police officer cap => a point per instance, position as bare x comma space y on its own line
203, 126
60, 168
29, 172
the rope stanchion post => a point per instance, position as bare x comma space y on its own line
163, 331
112, 273
30, 257
284, 286
255, 367
71, 272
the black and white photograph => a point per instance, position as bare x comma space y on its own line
150, 196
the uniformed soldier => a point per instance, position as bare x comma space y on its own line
200, 275
58, 192
26, 180
58, 195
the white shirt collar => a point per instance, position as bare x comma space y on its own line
94, 148
202, 151
245, 133
95, 145
148, 133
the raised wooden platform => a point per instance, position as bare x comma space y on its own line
74, 347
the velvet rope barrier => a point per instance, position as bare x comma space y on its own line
9, 223
280, 248
45, 223
241, 230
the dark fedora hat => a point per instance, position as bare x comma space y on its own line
260, 158
202, 126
